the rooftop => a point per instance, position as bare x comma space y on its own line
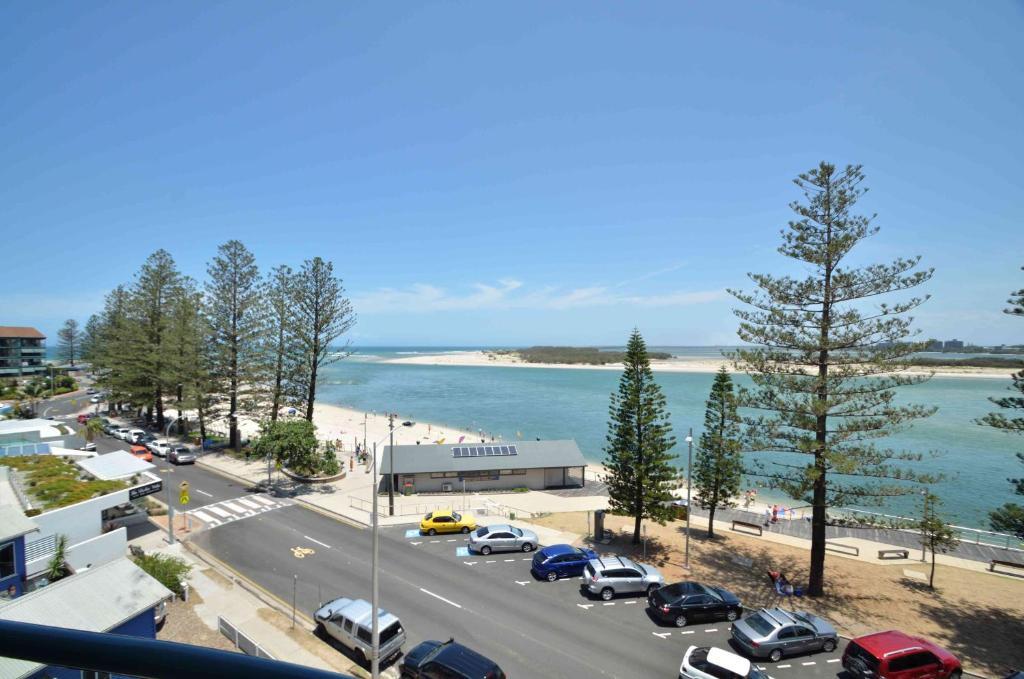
96, 600
23, 332
52, 482
116, 465
14, 523
45, 428
502, 455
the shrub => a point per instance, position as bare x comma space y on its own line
169, 571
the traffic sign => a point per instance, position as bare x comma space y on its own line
183, 488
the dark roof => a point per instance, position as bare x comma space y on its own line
440, 458
18, 331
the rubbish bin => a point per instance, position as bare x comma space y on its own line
599, 524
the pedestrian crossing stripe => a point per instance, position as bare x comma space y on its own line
235, 509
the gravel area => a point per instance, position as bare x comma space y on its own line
185, 626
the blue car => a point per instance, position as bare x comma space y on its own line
561, 561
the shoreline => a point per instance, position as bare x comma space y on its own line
468, 359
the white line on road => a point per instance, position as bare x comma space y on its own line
220, 512
661, 634
522, 582
627, 603
452, 540
438, 596
205, 517
509, 560
262, 500
317, 542
233, 507
491, 561
608, 603
203, 492
805, 664
834, 660
689, 631
713, 629
249, 503
415, 543
527, 559
782, 667
585, 606
469, 563
433, 541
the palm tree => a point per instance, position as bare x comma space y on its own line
93, 427
34, 391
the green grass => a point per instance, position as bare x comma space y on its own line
575, 355
54, 482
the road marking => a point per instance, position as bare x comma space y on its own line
235, 508
491, 561
461, 551
713, 629
522, 582
433, 541
469, 563
608, 603
834, 660
438, 596
661, 634
805, 664
317, 541
249, 503
415, 543
262, 500
689, 631
627, 603
220, 512
509, 560
203, 492
206, 518
527, 559
412, 532
302, 552
452, 540
782, 667
585, 606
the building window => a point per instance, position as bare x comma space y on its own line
513, 472
7, 568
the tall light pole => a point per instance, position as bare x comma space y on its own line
689, 476
391, 465
375, 633
364, 438
924, 516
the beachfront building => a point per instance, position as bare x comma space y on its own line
441, 468
22, 351
31, 437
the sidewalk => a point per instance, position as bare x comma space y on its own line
223, 596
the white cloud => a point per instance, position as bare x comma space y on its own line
513, 294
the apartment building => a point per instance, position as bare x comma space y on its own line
22, 351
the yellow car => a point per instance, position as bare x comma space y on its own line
447, 521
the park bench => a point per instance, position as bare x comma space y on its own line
842, 548
1007, 564
747, 526
894, 554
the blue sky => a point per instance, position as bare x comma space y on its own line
527, 173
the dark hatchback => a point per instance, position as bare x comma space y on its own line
448, 659
685, 602
561, 561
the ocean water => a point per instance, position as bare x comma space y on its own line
552, 403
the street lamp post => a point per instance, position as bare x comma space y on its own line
689, 476
391, 465
924, 517
375, 633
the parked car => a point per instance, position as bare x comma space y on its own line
447, 521
701, 662
684, 602
181, 455
896, 654
89, 447
94, 399
611, 575
158, 447
774, 632
122, 433
90, 391
561, 561
85, 417
142, 453
502, 538
350, 621
448, 659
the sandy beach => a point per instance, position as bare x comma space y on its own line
687, 365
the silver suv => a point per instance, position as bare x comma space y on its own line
351, 623
613, 575
774, 632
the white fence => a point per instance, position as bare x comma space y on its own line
240, 640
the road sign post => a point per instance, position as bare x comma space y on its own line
183, 492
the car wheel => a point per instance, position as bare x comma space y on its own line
829, 645
607, 593
320, 631
552, 576
465, 529
651, 589
680, 621
360, 656
432, 532
527, 547
485, 550
775, 655
732, 615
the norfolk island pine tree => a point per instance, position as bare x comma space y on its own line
718, 467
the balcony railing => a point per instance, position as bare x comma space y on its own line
136, 657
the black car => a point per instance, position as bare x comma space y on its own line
448, 659
685, 602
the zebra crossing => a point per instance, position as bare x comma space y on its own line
237, 508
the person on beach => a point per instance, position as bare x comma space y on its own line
767, 516
775, 513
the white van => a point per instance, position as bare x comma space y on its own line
350, 622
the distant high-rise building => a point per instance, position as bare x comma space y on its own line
22, 351
953, 345
934, 345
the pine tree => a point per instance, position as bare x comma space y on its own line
718, 469
116, 351
186, 337
937, 535
282, 354
637, 455
1010, 517
827, 367
322, 315
70, 338
157, 285
91, 337
235, 316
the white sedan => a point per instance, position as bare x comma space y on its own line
701, 662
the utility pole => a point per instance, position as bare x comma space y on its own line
391, 465
375, 629
364, 433
689, 478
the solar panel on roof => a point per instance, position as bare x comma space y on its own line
512, 450
489, 451
504, 450
456, 452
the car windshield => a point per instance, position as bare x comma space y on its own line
759, 624
674, 591
482, 531
428, 516
456, 516
517, 532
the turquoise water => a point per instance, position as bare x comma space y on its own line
567, 403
